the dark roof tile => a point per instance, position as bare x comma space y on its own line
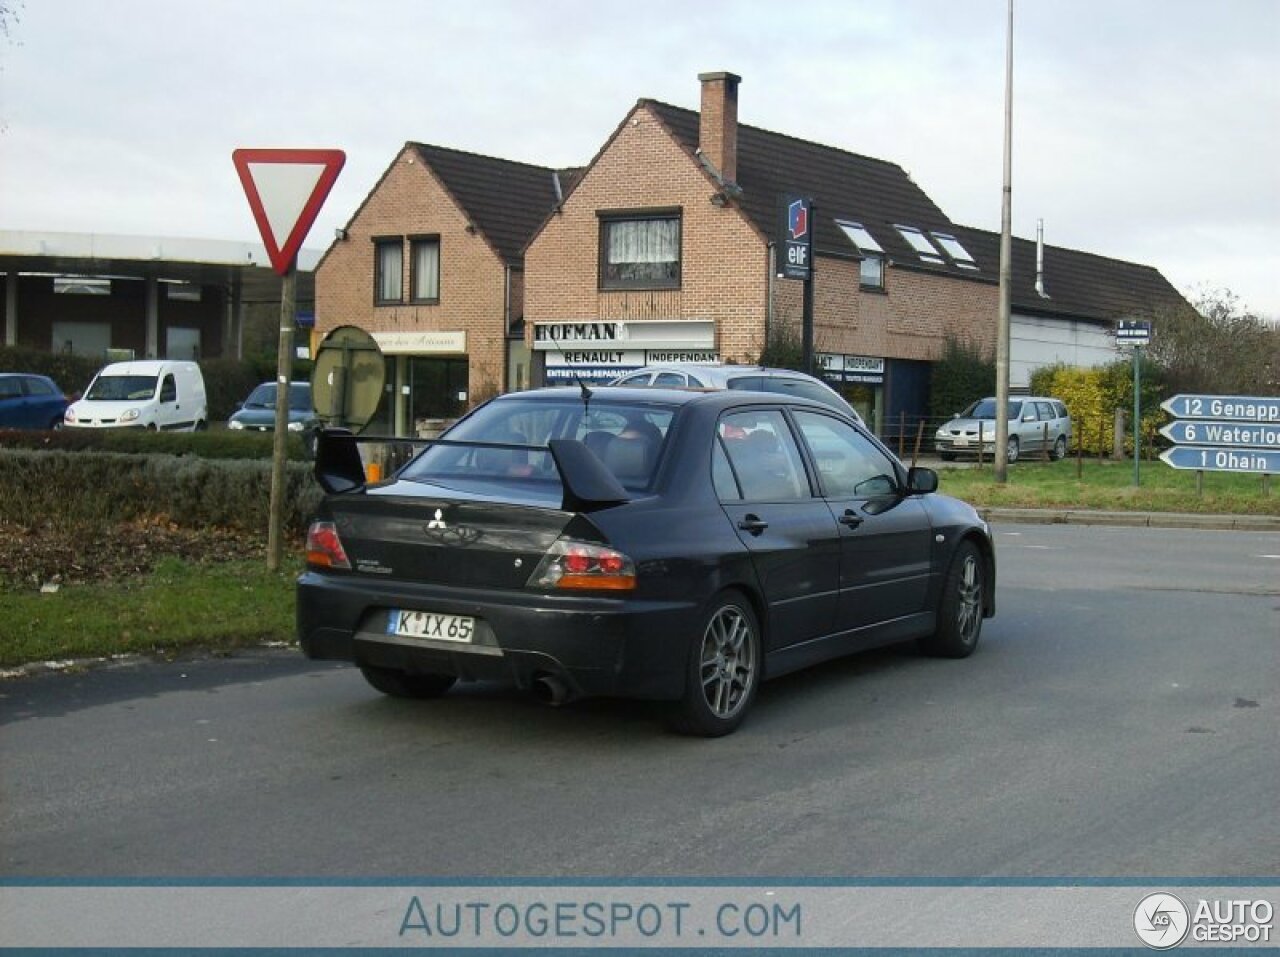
506, 200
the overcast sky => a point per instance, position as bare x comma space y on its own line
1147, 130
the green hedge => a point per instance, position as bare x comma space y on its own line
105, 487
71, 373
218, 444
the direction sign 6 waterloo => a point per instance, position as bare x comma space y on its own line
1237, 434
1236, 408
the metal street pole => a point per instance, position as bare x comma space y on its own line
1137, 411
1001, 457
284, 372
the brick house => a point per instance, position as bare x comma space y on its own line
479, 275
431, 264
893, 281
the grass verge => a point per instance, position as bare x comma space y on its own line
1109, 486
178, 605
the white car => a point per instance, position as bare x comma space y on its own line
693, 375
155, 394
1036, 423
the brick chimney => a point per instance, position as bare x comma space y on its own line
718, 124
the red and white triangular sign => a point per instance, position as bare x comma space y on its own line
286, 189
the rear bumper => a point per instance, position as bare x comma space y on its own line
596, 645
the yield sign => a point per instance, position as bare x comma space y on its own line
286, 189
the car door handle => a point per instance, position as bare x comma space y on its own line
850, 519
753, 524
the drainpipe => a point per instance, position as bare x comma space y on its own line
1040, 260
505, 380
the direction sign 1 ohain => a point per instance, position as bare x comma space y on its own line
1266, 461
1237, 434
1237, 408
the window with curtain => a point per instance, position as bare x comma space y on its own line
388, 270
425, 269
640, 252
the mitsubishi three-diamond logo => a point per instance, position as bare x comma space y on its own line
1161, 920
437, 522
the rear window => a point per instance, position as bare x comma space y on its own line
627, 437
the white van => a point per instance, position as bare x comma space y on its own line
146, 394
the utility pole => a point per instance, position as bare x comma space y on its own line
1001, 456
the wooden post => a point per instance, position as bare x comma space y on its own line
979, 443
284, 372
1199, 483
1080, 452
915, 453
1044, 443
1266, 484
902, 430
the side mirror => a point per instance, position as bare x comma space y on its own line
921, 481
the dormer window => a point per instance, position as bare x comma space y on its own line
920, 243
953, 248
872, 267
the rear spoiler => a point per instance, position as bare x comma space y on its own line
588, 484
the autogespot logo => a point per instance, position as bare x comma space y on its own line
1161, 921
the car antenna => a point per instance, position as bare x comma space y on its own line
587, 394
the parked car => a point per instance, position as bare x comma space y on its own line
29, 401
693, 375
649, 543
257, 413
156, 394
1036, 423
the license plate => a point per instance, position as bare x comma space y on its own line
960, 443
426, 624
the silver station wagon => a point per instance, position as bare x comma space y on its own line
1036, 423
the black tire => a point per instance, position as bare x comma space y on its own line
961, 606
723, 674
1011, 453
56, 425
947, 456
201, 425
1060, 448
399, 684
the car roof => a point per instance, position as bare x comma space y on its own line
619, 394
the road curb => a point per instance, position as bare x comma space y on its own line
1183, 520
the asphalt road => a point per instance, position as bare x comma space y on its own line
1120, 718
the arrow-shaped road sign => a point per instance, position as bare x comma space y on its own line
1240, 434
1239, 408
286, 189
1266, 461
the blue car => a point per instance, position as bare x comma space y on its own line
30, 402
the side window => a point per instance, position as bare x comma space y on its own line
669, 379
764, 456
636, 379
168, 390
849, 465
1060, 409
726, 485
1046, 411
749, 383
10, 388
37, 386
806, 390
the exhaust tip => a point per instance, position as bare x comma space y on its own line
550, 690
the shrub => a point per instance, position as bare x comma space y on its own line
963, 374
1092, 396
220, 444
71, 373
67, 488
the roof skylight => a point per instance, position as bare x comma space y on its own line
859, 236
920, 243
955, 250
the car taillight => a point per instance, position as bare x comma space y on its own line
576, 565
324, 547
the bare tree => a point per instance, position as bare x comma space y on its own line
1219, 347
